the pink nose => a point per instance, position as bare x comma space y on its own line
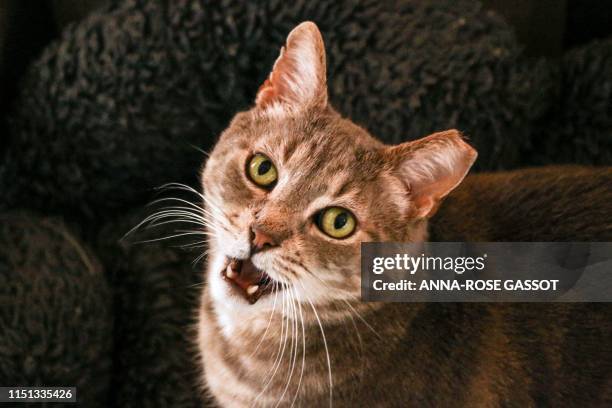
261, 239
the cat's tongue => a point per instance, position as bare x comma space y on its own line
253, 282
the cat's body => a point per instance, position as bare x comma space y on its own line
463, 354
555, 203
437, 354
291, 190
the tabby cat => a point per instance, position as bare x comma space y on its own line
292, 189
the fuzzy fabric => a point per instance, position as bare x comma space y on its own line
584, 131
156, 288
55, 310
121, 103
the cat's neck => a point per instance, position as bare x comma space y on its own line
239, 325
264, 353
420, 232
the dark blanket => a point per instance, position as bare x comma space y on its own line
124, 100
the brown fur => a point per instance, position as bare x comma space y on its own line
565, 203
385, 355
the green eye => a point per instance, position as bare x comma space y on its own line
261, 170
336, 222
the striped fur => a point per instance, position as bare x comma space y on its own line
314, 343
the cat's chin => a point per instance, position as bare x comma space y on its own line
248, 281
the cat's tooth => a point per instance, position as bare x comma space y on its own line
229, 272
252, 289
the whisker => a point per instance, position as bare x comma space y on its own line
179, 186
356, 299
199, 150
153, 218
331, 385
169, 237
275, 289
208, 201
164, 199
176, 221
199, 258
280, 352
183, 211
297, 391
293, 350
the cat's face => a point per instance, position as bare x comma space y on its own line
292, 189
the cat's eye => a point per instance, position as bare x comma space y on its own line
336, 222
261, 171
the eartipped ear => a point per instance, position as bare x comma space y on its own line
432, 167
298, 77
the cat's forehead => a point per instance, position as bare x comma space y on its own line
318, 146
312, 136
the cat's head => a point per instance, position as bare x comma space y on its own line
292, 189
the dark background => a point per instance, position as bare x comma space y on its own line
103, 101
543, 28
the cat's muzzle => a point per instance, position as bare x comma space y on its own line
248, 280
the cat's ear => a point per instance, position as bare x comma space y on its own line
432, 167
298, 77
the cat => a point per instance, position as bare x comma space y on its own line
291, 189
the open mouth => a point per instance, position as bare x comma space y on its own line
248, 280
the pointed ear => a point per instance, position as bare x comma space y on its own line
298, 77
432, 167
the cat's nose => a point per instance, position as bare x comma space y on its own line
261, 240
